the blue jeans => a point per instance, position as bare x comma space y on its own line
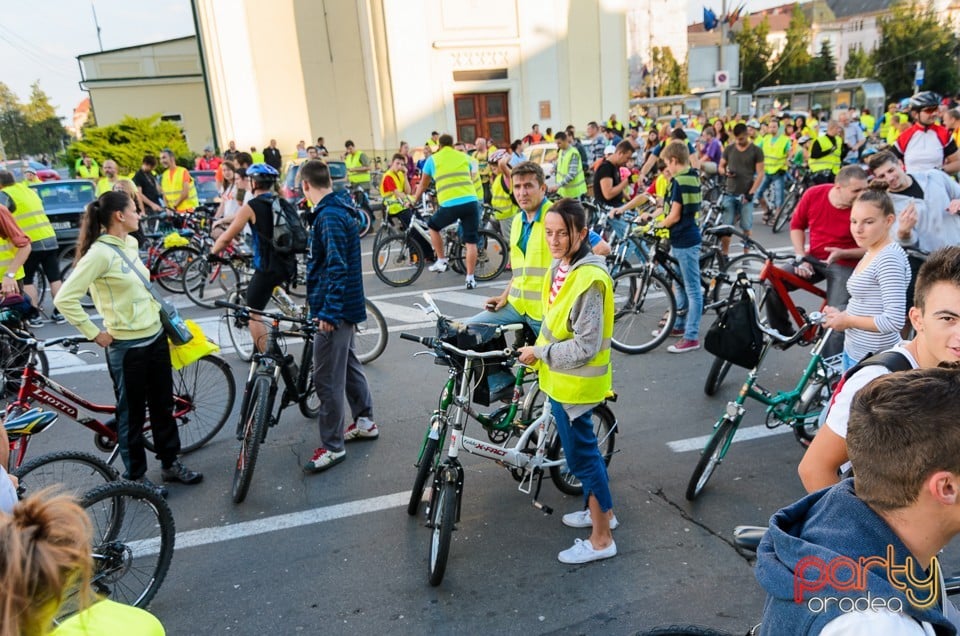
690, 303
778, 181
584, 460
507, 315
732, 204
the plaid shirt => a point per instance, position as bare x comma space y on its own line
334, 272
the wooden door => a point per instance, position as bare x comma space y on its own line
482, 115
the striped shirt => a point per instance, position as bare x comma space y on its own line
558, 280
878, 290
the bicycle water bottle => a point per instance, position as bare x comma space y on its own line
285, 303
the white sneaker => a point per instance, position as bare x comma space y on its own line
439, 266
581, 519
583, 552
363, 428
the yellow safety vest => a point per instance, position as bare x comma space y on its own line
434, 145
104, 185
830, 161
500, 200
590, 383
452, 175
392, 199
578, 186
353, 161
475, 178
775, 151
84, 172
172, 185
530, 267
29, 213
868, 122
483, 164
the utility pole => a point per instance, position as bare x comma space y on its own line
96, 23
721, 60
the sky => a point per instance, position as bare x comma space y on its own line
42, 43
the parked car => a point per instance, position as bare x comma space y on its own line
290, 182
208, 190
16, 166
546, 155
64, 202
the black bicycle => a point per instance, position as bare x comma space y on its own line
260, 393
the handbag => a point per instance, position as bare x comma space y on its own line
173, 324
735, 336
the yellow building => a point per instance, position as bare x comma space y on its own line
381, 71
161, 77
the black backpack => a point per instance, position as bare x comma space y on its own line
735, 335
289, 234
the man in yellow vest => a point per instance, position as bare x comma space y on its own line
30, 175
434, 142
179, 190
358, 166
570, 180
87, 168
826, 152
14, 250
482, 155
29, 215
776, 148
110, 177
456, 179
868, 122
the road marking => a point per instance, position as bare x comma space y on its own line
403, 313
436, 290
742, 435
206, 536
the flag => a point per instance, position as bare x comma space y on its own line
735, 15
709, 19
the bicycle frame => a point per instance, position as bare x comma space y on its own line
778, 278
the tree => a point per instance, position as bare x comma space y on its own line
128, 141
913, 33
824, 67
669, 77
793, 64
858, 64
755, 53
39, 108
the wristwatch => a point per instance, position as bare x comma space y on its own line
10, 275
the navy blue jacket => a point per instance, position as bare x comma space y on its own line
334, 272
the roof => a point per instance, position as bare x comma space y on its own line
779, 16
83, 106
137, 46
849, 8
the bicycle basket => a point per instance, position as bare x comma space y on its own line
735, 336
492, 379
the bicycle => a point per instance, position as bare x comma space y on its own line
206, 279
798, 407
800, 181
537, 448
260, 391
203, 395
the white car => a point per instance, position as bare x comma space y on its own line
544, 154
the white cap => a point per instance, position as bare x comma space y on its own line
609, 150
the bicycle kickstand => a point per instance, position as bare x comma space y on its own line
538, 472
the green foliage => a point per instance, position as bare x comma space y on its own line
755, 53
32, 128
913, 33
129, 140
794, 64
824, 68
669, 77
858, 64
38, 109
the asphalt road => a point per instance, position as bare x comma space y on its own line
336, 552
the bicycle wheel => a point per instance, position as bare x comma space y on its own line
310, 403
711, 457
443, 516
40, 282
169, 266
371, 336
428, 462
133, 537
238, 328
605, 428
492, 256
255, 422
718, 371
298, 286
86, 301
785, 213
398, 261
752, 265
72, 470
644, 311
205, 282
815, 397
13, 357
203, 395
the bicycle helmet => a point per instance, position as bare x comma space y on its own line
753, 123
497, 156
262, 172
925, 99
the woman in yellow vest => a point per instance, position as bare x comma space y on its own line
572, 358
46, 548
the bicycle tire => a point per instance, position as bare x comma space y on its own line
13, 358
752, 265
204, 283
398, 261
133, 540
819, 399
203, 396
86, 301
255, 422
493, 254
427, 464
76, 471
371, 336
711, 457
168, 269
718, 371
238, 328
298, 287
443, 516
310, 402
684, 630
639, 313
605, 428
364, 220
785, 213
40, 282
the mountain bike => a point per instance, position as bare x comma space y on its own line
260, 392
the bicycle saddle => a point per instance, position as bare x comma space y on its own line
29, 422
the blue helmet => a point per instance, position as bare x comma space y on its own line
262, 172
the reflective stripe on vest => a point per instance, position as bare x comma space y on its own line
775, 153
392, 199
503, 206
830, 161
353, 161
530, 268
578, 186
29, 213
451, 173
172, 185
590, 383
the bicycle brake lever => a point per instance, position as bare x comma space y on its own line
77, 351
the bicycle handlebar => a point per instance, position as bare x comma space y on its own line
434, 343
40, 345
244, 310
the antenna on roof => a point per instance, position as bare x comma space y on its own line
97, 24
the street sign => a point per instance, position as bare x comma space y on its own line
918, 75
721, 79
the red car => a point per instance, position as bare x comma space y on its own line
16, 166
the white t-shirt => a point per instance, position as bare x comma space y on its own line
8, 494
840, 410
